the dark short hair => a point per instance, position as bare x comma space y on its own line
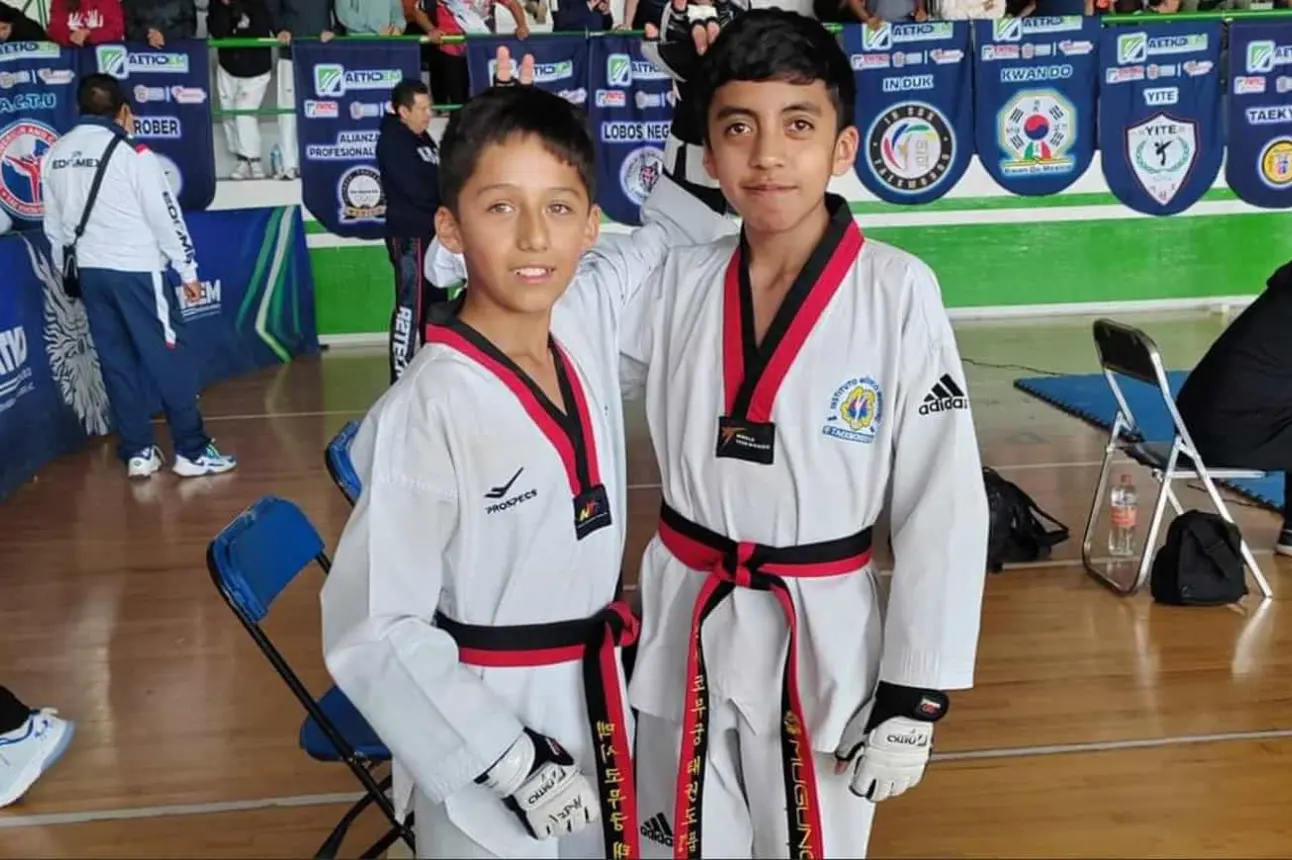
100, 95
406, 92
500, 112
776, 45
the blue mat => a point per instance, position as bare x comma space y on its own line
1088, 397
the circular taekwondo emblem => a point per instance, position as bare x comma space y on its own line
910, 147
1276, 163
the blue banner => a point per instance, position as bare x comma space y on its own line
914, 107
1160, 134
1036, 86
37, 104
631, 110
342, 91
169, 92
560, 63
1258, 166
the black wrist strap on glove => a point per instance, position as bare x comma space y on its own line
913, 703
684, 159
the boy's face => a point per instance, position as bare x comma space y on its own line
523, 221
773, 148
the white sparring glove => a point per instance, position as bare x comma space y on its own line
889, 740
538, 781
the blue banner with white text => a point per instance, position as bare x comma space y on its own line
630, 105
169, 93
342, 91
1258, 165
256, 310
560, 63
38, 104
1035, 81
914, 107
1160, 133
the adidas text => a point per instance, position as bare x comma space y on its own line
944, 397
656, 829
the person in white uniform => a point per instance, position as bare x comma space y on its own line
798, 377
472, 612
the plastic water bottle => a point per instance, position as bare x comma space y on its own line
275, 161
1125, 511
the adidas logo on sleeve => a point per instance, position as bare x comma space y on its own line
944, 397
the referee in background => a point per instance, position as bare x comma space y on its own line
134, 229
409, 162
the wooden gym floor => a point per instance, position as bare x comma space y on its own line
1100, 726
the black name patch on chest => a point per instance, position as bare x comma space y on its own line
742, 439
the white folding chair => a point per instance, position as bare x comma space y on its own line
1132, 353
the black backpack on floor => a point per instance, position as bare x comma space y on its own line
1017, 533
1200, 563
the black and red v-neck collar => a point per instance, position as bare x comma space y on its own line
753, 372
571, 433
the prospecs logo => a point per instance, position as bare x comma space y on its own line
910, 147
115, 60
334, 79
205, 305
856, 410
23, 145
1162, 151
1275, 163
1035, 130
640, 171
360, 194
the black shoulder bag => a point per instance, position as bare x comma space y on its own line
71, 271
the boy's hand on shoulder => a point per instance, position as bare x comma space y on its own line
503, 69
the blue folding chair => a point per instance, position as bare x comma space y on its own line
251, 561
339, 465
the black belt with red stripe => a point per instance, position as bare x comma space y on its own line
731, 565
591, 641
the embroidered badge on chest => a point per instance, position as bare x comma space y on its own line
856, 411
742, 439
591, 511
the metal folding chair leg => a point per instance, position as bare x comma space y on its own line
1223, 509
1155, 524
1096, 508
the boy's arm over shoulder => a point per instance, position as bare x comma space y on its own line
402, 673
938, 504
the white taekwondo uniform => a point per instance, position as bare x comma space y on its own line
483, 507
854, 399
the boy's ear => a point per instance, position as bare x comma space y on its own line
593, 228
447, 231
845, 151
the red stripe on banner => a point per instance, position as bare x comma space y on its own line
807, 800
769, 381
520, 659
733, 346
447, 337
580, 407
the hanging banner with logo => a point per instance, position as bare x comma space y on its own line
342, 91
914, 107
631, 110
1036, 80
560, 63
37, 104
1258, 167
1160, 134
169, 92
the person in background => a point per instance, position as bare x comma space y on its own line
410, 176
371, 17
84, 22
303, 19
639, 13
31, 742
241, 77
590, 15
17, 27
874, 13
446, 62
135, 228
159, 21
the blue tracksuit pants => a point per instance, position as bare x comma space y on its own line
137, 334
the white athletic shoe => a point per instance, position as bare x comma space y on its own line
210, 462
145, 464
29, 751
